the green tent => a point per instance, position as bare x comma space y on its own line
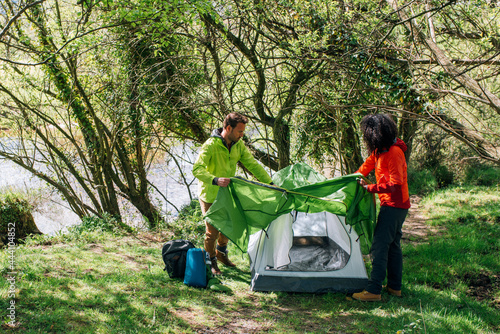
246, 207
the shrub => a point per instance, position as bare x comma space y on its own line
191, 211
189, 223
443, 176
16, 220
421, 182
482, 175
107, 223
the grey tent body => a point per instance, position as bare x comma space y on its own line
307, 252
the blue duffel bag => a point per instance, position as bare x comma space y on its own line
198, 270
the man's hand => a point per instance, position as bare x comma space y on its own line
223, 181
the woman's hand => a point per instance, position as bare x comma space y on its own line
362, 183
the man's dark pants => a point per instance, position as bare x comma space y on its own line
386, 250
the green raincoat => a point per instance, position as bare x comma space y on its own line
215, 160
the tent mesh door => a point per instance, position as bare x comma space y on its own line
320, 243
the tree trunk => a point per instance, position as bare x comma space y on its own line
282, 141
70, 96
407, 129
349, 146
147, 209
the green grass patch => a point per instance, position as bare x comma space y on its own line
99, 282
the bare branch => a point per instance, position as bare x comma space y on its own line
18, 14
454, 61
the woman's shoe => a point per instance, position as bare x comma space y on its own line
366, 296
393, 292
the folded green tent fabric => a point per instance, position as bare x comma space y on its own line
245, 207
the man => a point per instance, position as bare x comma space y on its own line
215, 165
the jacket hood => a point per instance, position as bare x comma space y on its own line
401, 144
217, 133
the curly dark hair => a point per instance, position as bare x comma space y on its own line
379, 131
233, 119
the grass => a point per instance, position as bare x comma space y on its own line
106, 283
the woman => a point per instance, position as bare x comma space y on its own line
388, 160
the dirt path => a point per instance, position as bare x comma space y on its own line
415, 229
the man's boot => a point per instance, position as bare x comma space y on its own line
224, 259
215, 268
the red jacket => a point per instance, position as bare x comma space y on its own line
390, 172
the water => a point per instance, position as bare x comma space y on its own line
52, 214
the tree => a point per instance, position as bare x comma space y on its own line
392, 71
83, 137
95, 95
288, 66
468, 26
251, 65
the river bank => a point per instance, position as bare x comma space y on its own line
52, 214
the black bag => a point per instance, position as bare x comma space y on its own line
174, 256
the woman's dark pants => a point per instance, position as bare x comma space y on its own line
386, 250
